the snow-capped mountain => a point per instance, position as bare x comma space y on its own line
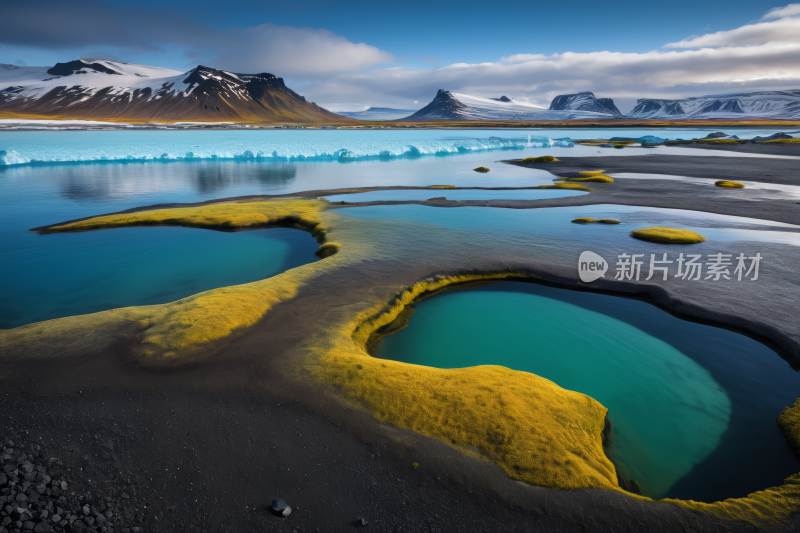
89, 89
584, 101
754, 106
455, 106
378, 113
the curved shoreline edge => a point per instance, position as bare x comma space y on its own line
757, 511
387, 399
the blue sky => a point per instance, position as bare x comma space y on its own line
355, 54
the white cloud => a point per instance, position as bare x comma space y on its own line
297, 52
790, 10
785, 30
538, 78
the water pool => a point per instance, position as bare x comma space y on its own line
552, 225
64, 274
687, 401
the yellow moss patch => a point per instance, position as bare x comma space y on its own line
595, 178
328, 249
562, 185
782, 141
789, 424
481, 169
170, 328
668, 235
729, 184
608, 221
541, 159
443, 187
590, 172
304, 213
583, 220
533, 429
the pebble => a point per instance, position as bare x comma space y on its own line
281, 508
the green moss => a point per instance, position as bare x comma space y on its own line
782, 141
608, 221
594, 178
668, 235
540, 159
481, 169
443, 187
533, 429
789, 424
328, 249
584, 220
729, 184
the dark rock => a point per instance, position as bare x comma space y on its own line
717, 135
63, 485
86, 510
21, 498
280, 508
3, 479
89, 520
56, 518
27, 525
773, 137
43, 527
360, 522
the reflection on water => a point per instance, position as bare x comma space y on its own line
687, 402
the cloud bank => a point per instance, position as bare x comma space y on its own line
339, 74
758, 56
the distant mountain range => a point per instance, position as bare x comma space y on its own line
764, 105
89, 89
455, 106
103, 90
378, 113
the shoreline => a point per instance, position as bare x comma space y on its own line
241, 403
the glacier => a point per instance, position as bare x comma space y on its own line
126, 146
763, 105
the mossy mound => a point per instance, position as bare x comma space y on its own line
583, 220
590, 172
668, 235
540, 159
530, 427
443, 186
789, 424
481, 169
328, 249
594, 178
782, 141
608, 221
729, 184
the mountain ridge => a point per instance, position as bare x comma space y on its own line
94, 89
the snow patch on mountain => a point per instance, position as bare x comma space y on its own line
457, 106
756, 105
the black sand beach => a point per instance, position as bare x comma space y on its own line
207, 445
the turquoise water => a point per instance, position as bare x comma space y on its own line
51, 276
451, 194
687, 402
43, 147
552, 225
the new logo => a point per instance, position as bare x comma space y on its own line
591, 266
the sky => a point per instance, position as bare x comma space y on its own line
351, 55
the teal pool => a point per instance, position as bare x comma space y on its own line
65, 274
453, 194
687, 402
